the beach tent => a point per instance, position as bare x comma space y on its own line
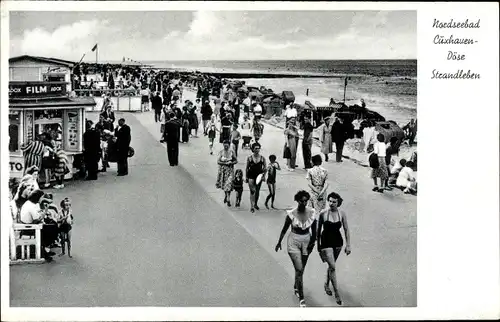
255, 95
390, 129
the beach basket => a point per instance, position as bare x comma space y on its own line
288, 97
389, 130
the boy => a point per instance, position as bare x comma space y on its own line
238, 185
271, 180
212, 129
245, 132
235, 139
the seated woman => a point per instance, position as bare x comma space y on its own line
406, 179
395, 170
32, 213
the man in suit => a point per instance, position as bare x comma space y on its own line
156, 104
123, 138
171, 136
339, 135
92, 150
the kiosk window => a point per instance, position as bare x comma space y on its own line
14, 130
47, 115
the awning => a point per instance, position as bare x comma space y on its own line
55, 103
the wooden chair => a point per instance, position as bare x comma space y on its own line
25, 241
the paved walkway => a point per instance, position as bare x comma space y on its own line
153, 238
382, 269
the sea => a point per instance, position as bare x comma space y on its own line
387, 86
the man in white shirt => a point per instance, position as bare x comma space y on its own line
291, 112
357, 127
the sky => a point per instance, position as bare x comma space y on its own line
215, 35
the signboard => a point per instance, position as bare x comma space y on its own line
72, 133
16, 166
28, 126
37, 89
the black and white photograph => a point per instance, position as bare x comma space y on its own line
213, 158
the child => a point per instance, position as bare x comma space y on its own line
245, 132
235, 139
395, 170
212, 128
271, 180
65, 225
238, 186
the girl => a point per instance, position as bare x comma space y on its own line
257, 129
301, 239
65, 225
330, 241
271, 180
238, 185
212, 128
381, 172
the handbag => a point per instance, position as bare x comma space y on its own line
373, 161
131, 151
287, 154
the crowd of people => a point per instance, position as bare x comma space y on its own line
31, 205
220, 118
316, 221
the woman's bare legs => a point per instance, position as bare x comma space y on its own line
299, 262
253, 188
331, 258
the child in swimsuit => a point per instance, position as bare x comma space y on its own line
238, 185
271, 180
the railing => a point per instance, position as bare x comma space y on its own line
124, 100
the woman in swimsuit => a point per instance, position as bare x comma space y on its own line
330, 241
256, 164
301, 239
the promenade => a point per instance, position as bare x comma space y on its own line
163, 237
382, 269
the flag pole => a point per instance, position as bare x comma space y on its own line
345, 87
96, 54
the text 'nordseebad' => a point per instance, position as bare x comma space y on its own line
456, 24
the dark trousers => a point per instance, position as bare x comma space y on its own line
49, 234
339, 146
122, 164
157, 115
92, 167
173, 152
306, 153
235, 144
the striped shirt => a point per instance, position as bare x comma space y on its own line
33, 153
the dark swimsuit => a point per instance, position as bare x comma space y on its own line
254, 169
271, 175
331, 236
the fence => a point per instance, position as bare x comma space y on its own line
124, 100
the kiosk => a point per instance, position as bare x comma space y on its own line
43, 105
